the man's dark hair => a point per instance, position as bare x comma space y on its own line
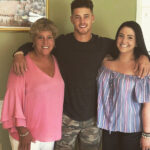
140, 48
81, 3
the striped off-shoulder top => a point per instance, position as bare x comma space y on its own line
120, 99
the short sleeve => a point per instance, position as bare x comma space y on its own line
142, 90
13, 105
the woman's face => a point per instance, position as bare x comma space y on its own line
44, 43
126, 40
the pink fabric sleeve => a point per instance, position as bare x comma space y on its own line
13, 106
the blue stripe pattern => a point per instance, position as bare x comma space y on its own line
120, 99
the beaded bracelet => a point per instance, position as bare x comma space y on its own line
25, 134
145, 135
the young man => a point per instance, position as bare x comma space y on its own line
79, 55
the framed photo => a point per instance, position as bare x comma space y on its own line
18, 15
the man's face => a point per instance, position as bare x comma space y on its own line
82, 19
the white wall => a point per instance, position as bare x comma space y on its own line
143, 18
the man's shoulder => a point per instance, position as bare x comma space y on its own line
62, 43
102, 42
102, 39
64, 37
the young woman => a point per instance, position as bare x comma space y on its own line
123, 97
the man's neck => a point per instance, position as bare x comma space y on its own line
83, 38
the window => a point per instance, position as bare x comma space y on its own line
143, 18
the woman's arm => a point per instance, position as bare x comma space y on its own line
145, 141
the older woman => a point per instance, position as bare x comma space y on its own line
33, 104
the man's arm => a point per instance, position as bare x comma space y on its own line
19, 63
142, 67
25, 48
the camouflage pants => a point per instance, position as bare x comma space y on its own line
84, 133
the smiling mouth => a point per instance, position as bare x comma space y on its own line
45, 47
124, 46
82, 26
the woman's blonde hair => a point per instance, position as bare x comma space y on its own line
43, 24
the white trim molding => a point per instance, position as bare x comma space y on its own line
139, 11
143, 18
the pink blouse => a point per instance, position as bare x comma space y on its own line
34, 100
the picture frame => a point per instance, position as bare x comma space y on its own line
18, 15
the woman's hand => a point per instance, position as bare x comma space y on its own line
145, 139
25, 138
145, 143
142, 67
19, 64
25, 142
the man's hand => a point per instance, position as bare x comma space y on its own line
19, 64
142, 67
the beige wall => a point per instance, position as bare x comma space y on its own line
108, 14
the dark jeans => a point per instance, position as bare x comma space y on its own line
120, 141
